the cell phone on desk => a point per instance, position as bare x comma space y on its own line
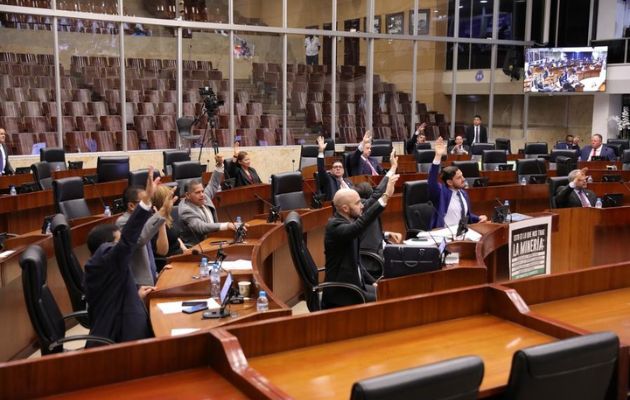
190, 307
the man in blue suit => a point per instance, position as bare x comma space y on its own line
597, 149
361, 162
568, 144
334, 180
451, 201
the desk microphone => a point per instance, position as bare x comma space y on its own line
293, 162
274, 211
239, 233
98, 192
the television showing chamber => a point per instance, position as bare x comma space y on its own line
565, 70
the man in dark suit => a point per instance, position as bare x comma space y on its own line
575, 194
459, 147
451, 201
476, 133
361, 162
341, 245
417, 138
331, 181
5, 165
597, 149
116, 309
568, 144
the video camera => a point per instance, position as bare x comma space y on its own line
210, 100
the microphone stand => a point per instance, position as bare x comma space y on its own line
98, 192
274, 211
316, 201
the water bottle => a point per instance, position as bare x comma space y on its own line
508, 216
262, 304
12, 191
598, 203
589, 179
523, 181
48, 231
107, 212
203, 268
215, 281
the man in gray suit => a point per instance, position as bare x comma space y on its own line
197, 214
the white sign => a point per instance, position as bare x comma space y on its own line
530, 247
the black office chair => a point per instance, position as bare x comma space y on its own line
56, 158
329, 151
424, 159
139, 177
112, 168
184, 130
308, 155
470, 170
564, 165
184, 172
381, 151
306, 268
42, 175
617, 148
418, 209
43, 311
477, 149
579, 368
69, 265
554, 183
503, 144
536, 150
625, 159
287, 190
423, 146
532, 169
555, 153
455, 379
171, 156
69, 198
494, 159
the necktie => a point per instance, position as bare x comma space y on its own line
583, 199
342, 184
461, 203
476, 135
371, 167
594, 153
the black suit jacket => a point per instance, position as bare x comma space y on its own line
328, 183
566, 197
372, 238
470, 134
360, 166
116, 311
465, 147
8, 170
240, 177
341, 245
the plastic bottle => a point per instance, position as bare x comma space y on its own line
523, 181
215, 281
238, 221
107, 212
48, 231
598, 203
12, 191
262, 304
508, 216
203, 267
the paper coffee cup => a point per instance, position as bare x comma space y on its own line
243, 288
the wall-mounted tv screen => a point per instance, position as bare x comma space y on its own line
564, 70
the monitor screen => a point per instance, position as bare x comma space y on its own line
565, 70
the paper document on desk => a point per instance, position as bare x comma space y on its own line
448, 234
6, 253
237, 264
173, 307
183, 331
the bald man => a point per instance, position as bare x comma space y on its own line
341, 245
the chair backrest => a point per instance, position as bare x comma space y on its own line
42, 308
69, 199
503, 144
330, 147
455, 379
416, 205
534, 149
112, 168
183, 172
423, 146
347, 165
171, 156
184, 127
287, 190
302, 260
494, 157
56, 157
530, 166
42, 174
477, 149
619, 145
139, 177
470, 169
625, 159
308, 155
381, 151
617, 148
69, 265
578, 368
554, 183
555, 153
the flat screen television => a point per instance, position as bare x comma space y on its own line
565, 70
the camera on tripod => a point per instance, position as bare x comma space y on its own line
210, 100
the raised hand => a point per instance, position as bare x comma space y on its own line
367, 137
150, 188
391, 185
440, 148
321, 143
393, 160
237, 147
167, 207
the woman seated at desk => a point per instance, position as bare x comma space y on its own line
240, 168
167, 242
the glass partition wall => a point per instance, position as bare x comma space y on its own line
116, 74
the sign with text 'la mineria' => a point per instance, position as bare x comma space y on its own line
530, 247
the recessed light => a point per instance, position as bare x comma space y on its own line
483, 1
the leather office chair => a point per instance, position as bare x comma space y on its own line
306, 267
554, 183
183, 172
42, 175
455, 379
56, 158
533, 167
347, 165
112, 168
139, 177
381, 151
287, 190
329, 151
423, 146
424, 159
477, 149
470, 170
69, 265
503, 144
308, 155
553, 157
578, 368
43, 311
493, 159
418, 209
171, 156
69, 198
625, 159
536, 150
